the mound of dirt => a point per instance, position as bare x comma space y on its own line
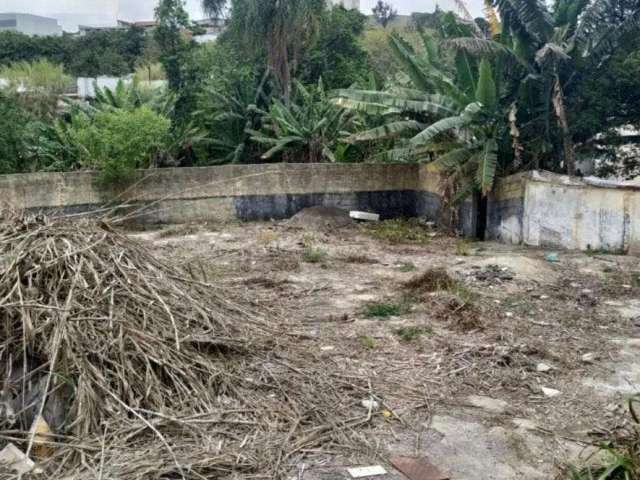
321, 218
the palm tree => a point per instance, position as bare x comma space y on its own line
280, 27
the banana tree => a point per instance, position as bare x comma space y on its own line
454, 120
545, 48
308, 129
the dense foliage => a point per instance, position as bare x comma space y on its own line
114, 52
528, 86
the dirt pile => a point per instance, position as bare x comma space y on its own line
321, 218
144, 372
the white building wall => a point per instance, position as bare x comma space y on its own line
35, 25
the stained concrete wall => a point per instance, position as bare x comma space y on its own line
533, 208
547, 210
247, 192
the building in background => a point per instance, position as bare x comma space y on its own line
33, 25
348, 4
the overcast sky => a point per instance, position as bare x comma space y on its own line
102, 12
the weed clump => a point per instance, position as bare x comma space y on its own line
433, 280
367, 342
386, 310
314, 254
411, 333
399, 231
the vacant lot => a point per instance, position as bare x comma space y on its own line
495, 362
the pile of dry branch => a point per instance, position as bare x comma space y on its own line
143, 372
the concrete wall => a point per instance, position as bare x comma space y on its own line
547, 210
247, 192
533, 208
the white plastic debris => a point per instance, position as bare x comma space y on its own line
370, 404
543, 367
12, 457
550, 392
361, 472
589, 357
366, 216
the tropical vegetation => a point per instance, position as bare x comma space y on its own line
530, 85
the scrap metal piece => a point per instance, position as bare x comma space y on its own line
361, 472
418, 468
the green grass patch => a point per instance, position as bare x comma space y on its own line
312, 254
399, 231
386, 310
463, 247
407, 267
367, 342
409, 334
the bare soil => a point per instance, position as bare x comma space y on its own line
464, 385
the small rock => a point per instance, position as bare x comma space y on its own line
575, 285
14, 459
543, 368
589, 357
544, 297
489, 404
370, 404
550, 392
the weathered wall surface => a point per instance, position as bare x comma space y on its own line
534, 208
546, 210
247, 192
505, 210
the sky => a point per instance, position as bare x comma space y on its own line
70, 13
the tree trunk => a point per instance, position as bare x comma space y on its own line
567, 141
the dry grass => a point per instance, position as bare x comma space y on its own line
433, 280
145, 372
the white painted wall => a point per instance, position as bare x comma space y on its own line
86, 85
576, 214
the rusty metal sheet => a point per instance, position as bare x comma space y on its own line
418, 468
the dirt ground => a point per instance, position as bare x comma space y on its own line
511, 368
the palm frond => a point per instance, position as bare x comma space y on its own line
453, 158
481, 47
441, 126
389, 130
405, 56
487, 166
532, 16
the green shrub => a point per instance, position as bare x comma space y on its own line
13, 124
115, 142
